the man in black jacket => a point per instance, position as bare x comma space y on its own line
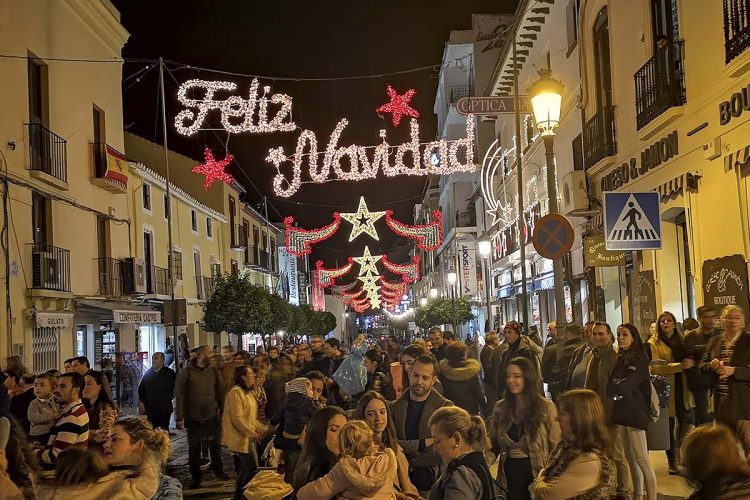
156, 391
698, 380
438, 343
515, 345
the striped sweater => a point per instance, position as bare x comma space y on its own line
71, 429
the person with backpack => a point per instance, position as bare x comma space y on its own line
630, 388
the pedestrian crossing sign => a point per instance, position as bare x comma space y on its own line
632, 221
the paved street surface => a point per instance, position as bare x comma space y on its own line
670, 487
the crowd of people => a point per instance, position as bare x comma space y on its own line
573, 415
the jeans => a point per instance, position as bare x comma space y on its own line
198, 432
624, 484
246, 466
680, 423
640, 465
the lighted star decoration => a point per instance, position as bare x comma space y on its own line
399, 105
367, 262
362, 221
214, 170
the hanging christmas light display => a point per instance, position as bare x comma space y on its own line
362, 221
437, 157
327, 277
214, 170
410, 271
399, 105
367, 262
237, 114
428, 236
495, 156
299, 241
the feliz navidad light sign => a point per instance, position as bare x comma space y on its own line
264, 112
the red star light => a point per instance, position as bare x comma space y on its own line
399, 105
214, 170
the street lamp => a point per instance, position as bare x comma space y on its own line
423, 301
546, 99
452, 276
485, 249
433, 293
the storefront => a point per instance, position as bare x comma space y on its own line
46, 332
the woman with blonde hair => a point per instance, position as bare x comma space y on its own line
460, 439
362, 472
135, 454
727, 357
712, 459
580, 466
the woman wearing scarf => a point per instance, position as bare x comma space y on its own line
669, 358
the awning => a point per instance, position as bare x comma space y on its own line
121, 312
675, 186
738, 159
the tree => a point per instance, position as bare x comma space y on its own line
444, 312
280, 317
237, 306
329, 322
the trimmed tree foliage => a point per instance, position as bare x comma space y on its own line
444, 312
239, 306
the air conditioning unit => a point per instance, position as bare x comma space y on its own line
712, 149
134, 276
573, 195
46, 270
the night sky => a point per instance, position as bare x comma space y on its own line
301, 39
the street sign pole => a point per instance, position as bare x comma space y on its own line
557, 264
519, 182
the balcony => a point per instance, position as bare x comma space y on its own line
110, 168
157, 281
238, 237
599, 138
736, 28
111, 276
48, 156
258, 258
50, 267
459, 91
205, 287
659, 84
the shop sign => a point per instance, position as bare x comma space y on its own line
651, 157
595, 253
54, 320
138, 317
646, 297
734, 106
725, 283
468, 261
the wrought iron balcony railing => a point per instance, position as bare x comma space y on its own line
736, 28
47, 152
599, 138
659, 84
111, 276
50, 267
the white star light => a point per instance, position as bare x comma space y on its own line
362, 220
367, 262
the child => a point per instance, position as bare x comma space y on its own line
296, 412
362, 472
43, 411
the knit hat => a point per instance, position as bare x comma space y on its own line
298, 385
513, 325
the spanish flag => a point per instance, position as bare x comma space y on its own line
117, 166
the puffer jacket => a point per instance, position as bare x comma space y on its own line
370, 477
462, 386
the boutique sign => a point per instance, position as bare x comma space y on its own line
651, 158
725, 282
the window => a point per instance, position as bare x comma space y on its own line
100, 157
577, 153
37, 91
177, 264
246, 228
102, 236
166, 207
235, 268
571, 15
602, 61
209, 228
40, 218
215, 269
146, 196
194, 220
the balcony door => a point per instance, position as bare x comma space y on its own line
198, 275
40, 219
602, 63
148, 245
664, 24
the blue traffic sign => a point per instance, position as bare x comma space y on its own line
632, 221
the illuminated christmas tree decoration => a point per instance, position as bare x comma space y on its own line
428, 236
410, 271
362, 220
237, 114
299, 241
399, 105
214, 170
327, 277
437, 157
367, 262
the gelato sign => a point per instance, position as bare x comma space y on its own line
725, 282
595, 253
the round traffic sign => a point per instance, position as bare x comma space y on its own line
553, 236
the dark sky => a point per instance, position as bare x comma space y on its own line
301, 39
